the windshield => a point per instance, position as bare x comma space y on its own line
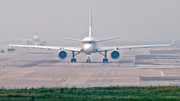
90, 42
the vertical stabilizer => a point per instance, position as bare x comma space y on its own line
90, 21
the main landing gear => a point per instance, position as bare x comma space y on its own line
73, 59
105, 57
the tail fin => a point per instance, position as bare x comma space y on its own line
90, 21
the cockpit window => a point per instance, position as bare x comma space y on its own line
90, 42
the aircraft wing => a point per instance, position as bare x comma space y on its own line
130, 47
77, 49
20, 39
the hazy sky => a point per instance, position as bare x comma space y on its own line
146, 20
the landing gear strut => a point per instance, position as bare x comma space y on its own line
73, 59
88, 60
105, 57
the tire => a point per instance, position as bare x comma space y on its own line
103, 60
71, 60
106, 60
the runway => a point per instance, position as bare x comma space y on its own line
136, 67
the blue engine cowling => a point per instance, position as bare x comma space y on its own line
62, 54
115, 55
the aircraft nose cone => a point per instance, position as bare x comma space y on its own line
88, 48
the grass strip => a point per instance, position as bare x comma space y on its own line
92, 94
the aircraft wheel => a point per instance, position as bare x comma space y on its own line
88, 61
106, 60
72, 60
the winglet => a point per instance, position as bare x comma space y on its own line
173, 42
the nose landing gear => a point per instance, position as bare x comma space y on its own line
88, 60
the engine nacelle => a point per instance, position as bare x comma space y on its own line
62, 54
115, 55
44, 42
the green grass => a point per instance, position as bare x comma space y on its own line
92, 94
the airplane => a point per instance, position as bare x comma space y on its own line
89, 46
35, 40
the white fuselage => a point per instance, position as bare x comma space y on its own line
36, 38
89, 45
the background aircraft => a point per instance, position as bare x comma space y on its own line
89, 46
35, 40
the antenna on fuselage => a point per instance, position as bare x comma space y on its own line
90, 21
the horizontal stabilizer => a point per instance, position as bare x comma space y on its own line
72, 39
108, 39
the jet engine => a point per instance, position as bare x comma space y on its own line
62, 54
43, 42
28, 41
115, 55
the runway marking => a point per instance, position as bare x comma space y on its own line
69, 75
59, 82
167, 83
162, 74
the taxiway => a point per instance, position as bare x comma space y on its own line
137, 67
